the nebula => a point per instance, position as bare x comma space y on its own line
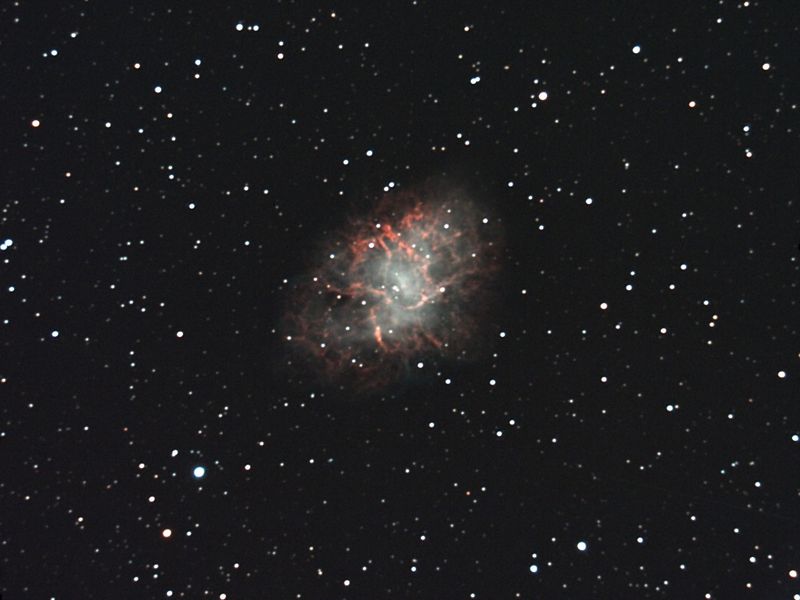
406, 284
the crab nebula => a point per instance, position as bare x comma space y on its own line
409, 284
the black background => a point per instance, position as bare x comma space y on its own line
107, 251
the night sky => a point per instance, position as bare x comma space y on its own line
592, 389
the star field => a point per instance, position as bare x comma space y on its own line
247, 353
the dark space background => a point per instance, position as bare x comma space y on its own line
165, 169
